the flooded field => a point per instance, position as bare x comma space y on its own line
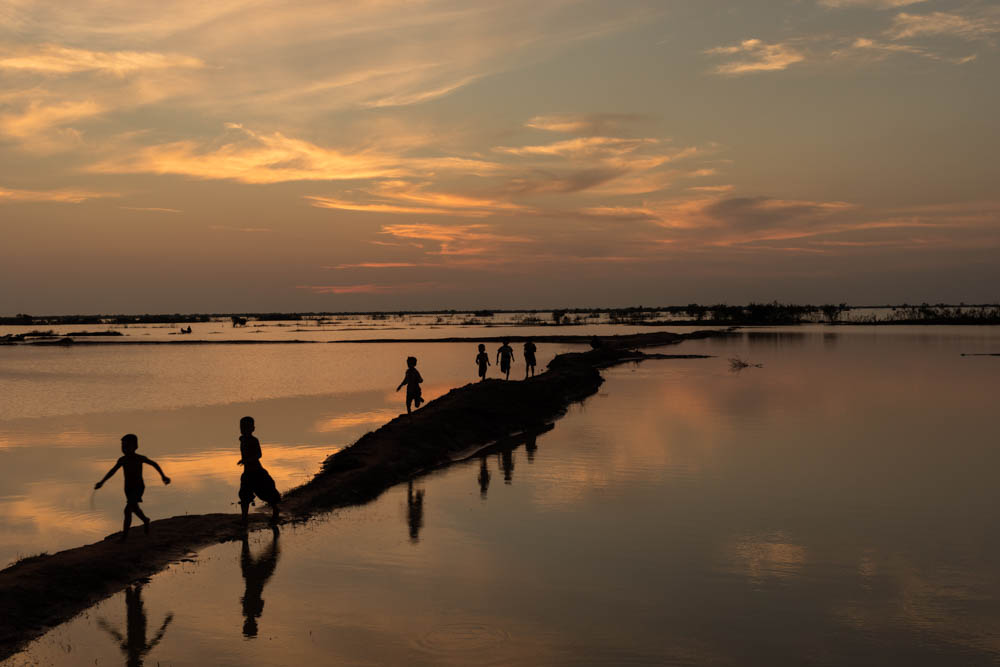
833, 502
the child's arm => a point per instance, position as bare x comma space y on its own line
114, 469
401, 384
156, 466
417, 373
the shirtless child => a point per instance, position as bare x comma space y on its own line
131, 465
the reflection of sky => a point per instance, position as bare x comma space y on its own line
185, 403
834, 504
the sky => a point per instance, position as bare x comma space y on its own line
314, 156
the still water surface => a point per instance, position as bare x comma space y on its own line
837, 505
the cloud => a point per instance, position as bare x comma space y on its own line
452, 240
882, 48
420, 96
241, 230
151, 209
58, 196
375, 265
759, 57
943, 24
262, 158
54, 59
581, 147
587, 124
872, 4
370, 288
38, 117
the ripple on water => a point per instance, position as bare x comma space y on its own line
464, 639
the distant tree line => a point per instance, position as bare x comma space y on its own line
773, 313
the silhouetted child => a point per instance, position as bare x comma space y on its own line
529, 358
505, 355
255, 480
131, 465
412, 382
483, 360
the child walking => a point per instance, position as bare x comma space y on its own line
529, 358
483, 360
255, 480
412, 382
131, 465
505, 355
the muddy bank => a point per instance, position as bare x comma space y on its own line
40, 592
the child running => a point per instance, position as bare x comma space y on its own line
131, 465
505, 355
483, 360
255, 480
412, 381
529, 358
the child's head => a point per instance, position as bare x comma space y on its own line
411, 362
246, 425
130, 443
482, 348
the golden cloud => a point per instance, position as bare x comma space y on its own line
760, 57
59, 196
54, 59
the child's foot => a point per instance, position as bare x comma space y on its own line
123, 537
145, 526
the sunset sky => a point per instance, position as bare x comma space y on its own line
379, 154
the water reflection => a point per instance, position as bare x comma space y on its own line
256, 573
506, 458
414, 511
133, 644
531, 446
484, 477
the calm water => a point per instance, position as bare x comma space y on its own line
65, 410
837, 505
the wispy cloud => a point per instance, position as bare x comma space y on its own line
241, 230
945, 24
55, 59
451, 240
57, 196
871, 4
587, 124
755, 55
374, 265
371, 288
262, 158
38, 117
882, 49
151, 209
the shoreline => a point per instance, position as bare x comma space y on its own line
615, 340
467, 418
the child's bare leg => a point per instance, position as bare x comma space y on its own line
127, 523
274, 513
244, 508
145, 519
409, 401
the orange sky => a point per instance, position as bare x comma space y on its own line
380, 154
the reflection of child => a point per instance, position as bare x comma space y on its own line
529, 358
483, 360
255, 480
412, 381
131, 465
